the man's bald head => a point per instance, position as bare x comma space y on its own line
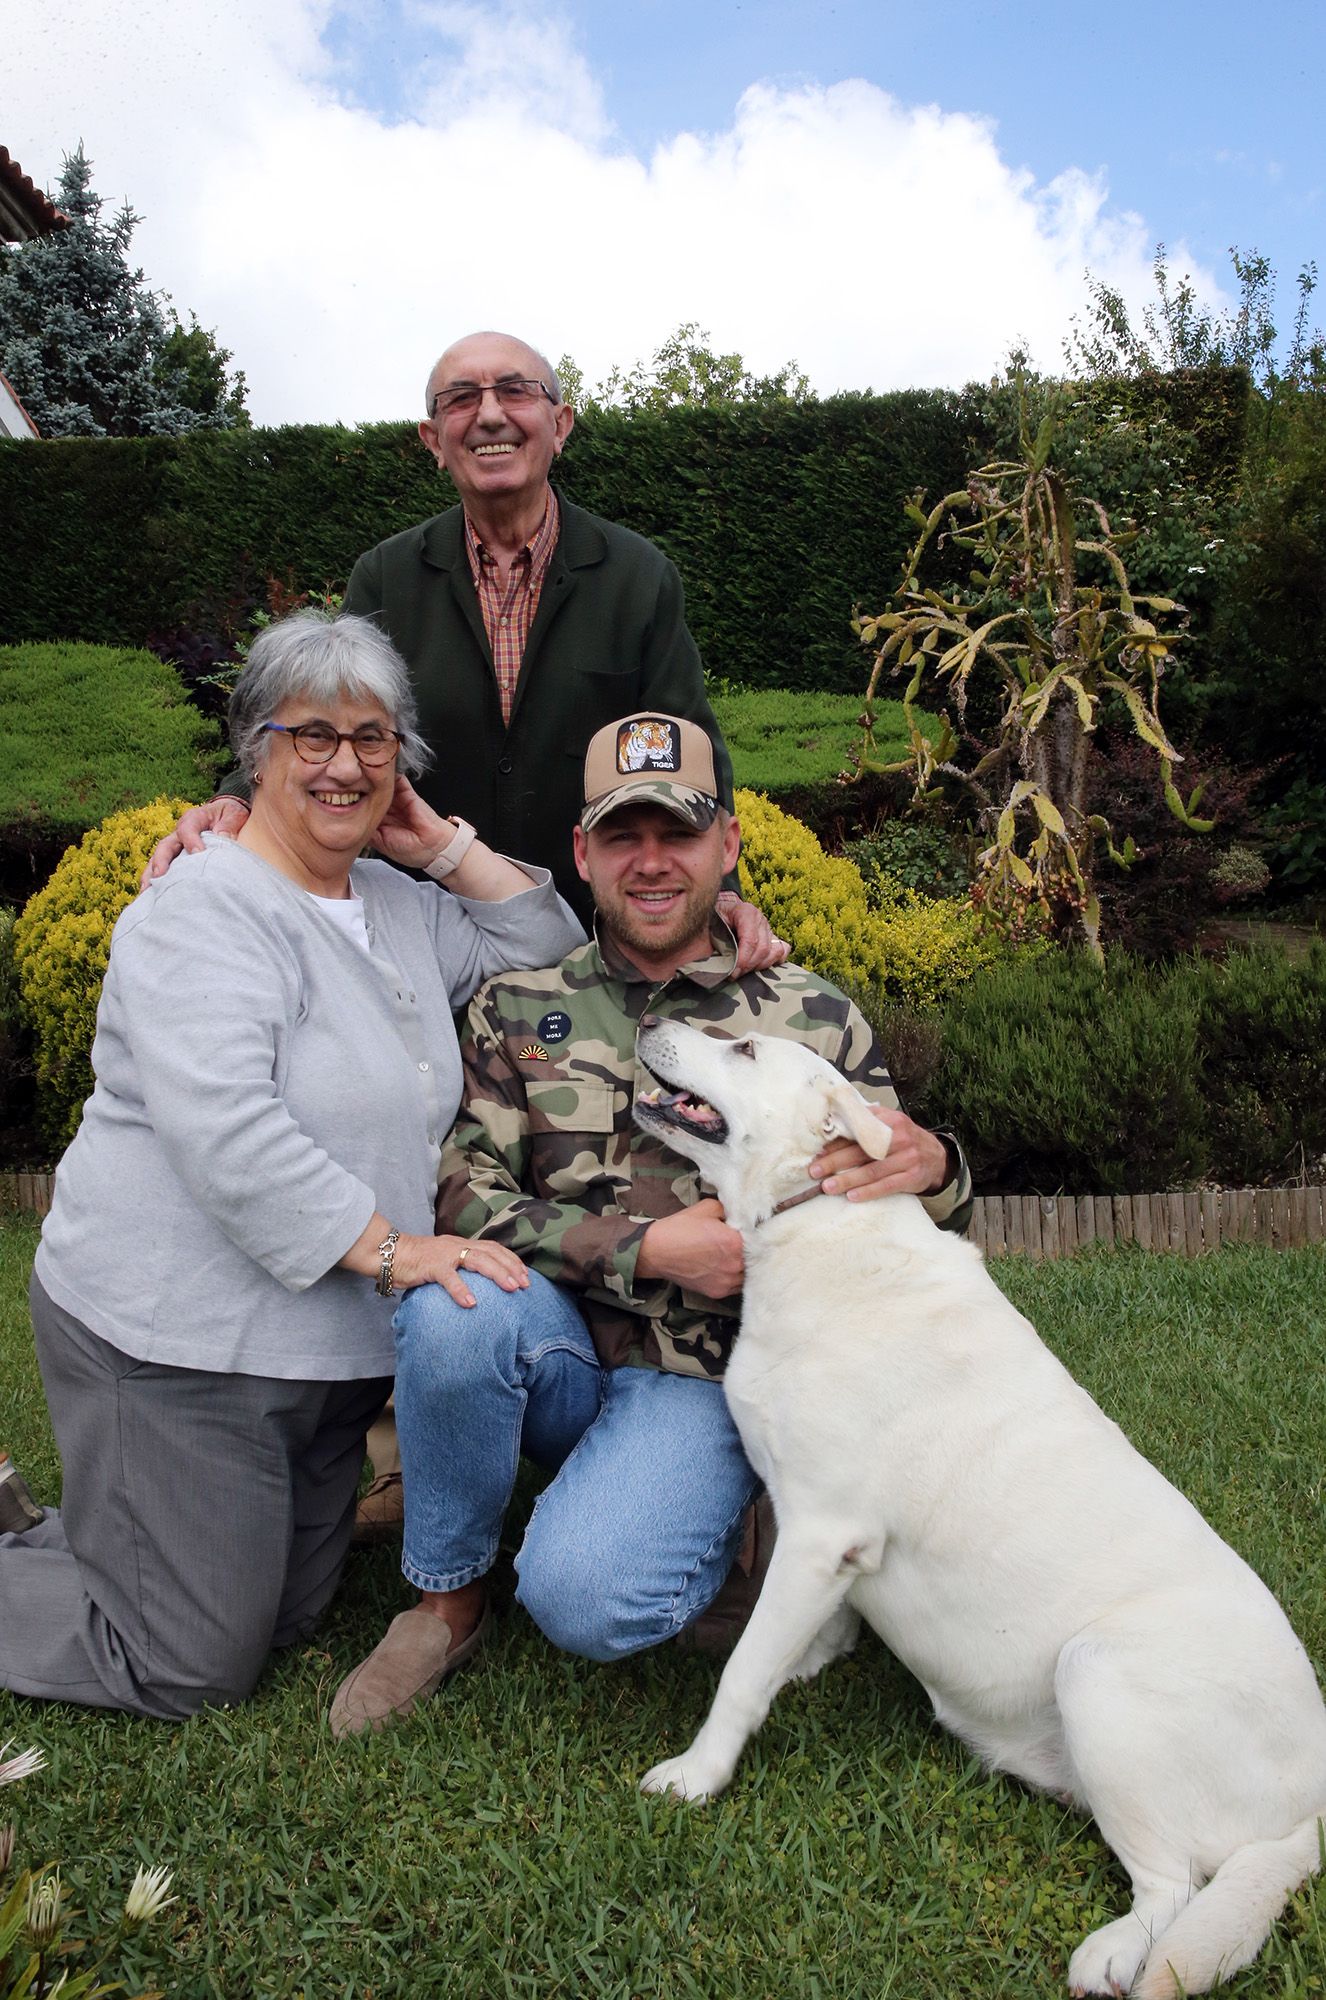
458, 362
497, 430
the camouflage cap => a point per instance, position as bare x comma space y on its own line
651, 759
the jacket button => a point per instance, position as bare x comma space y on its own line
505, 766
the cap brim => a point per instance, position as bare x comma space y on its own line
696, 808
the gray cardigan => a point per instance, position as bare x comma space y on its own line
262, 1086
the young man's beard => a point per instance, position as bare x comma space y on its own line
690, 925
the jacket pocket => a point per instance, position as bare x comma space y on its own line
563, 1103
578, 1138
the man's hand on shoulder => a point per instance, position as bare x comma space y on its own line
916, 1163
757, 948
695, 1249
224, 815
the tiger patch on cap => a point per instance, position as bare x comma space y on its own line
648, 743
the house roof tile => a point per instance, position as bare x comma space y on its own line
24, 210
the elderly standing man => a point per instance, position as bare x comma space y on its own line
529, 622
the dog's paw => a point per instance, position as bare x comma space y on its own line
1110, 1959
686, 1776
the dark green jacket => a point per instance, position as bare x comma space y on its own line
609, 638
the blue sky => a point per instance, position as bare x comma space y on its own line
889, 194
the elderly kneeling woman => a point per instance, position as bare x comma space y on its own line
276, 1071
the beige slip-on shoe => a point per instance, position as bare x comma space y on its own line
416, 1655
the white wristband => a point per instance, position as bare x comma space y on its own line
449, 860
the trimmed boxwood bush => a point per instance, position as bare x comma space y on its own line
913, 853
88, 730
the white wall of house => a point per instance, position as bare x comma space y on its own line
14, 419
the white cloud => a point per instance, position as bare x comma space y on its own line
336, 250
507, 62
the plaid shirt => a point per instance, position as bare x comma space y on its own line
508, 613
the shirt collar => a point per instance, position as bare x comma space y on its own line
714, 968
538, 548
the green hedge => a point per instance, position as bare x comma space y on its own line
779, 517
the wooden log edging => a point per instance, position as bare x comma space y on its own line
1190, 1224
28, 1194
1041, 1226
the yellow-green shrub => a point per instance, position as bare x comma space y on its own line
815, 900
62, 943
911, 949
930, 944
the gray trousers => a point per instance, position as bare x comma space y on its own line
206, 1519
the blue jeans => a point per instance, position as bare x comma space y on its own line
641, 1521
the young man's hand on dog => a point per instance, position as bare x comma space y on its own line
917, 1163
694, 1248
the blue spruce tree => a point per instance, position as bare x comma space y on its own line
88, 348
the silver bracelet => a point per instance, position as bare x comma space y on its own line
449, 860
385, 1286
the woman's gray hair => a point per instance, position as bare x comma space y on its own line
323, 659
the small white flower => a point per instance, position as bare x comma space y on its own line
45, 1912
147, 1895
21, 1766
1197, 569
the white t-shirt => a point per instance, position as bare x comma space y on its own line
348, 912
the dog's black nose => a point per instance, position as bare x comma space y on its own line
650, 1021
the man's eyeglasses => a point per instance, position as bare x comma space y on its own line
512, 393
318, 742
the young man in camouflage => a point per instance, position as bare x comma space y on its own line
606, 1368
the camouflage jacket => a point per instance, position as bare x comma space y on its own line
546, 1156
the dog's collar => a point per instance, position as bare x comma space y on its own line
794, 1200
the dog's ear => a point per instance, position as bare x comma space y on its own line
847, 1115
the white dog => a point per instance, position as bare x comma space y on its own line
934, 1469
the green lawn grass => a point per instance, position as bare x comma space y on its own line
780, 739
496, 1845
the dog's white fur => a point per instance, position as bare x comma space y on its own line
935, 1470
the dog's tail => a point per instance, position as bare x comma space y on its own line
1227, 1923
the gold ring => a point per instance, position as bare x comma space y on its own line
461, 1259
